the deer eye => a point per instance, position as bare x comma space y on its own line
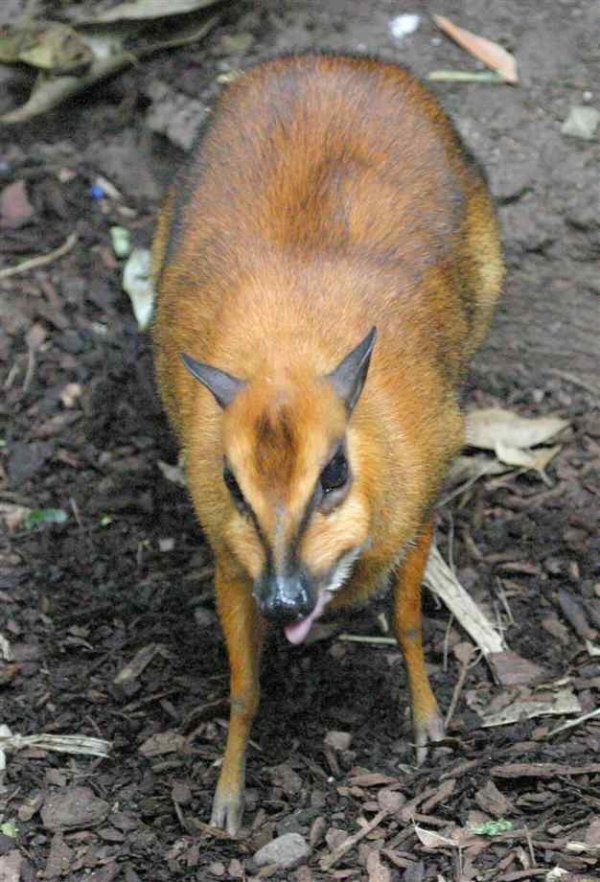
233, 487
335, 473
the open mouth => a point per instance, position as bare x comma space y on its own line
297, 632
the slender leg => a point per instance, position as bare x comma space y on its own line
427, 722
244, 631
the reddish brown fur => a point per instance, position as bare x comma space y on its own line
329, 195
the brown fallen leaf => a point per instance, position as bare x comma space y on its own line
371, 779
513, 670
377, 871
139, 663
15, 208
445, 789
11, 865
492, 55
575, 615
542, 770
493, 802
162, 743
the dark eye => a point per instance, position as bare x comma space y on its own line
233, 487
335, 473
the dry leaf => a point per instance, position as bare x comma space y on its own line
173, 473
137, 283
13, 515
470, 468
112, 52
139, 663
143, 10
564, 702
528, 459
5, 649
490, 427
440, 579
376, 871
544, 771
492, 55
432, 839
513, 670
11, 865
77, 744
50, 46
492, 801
162, 743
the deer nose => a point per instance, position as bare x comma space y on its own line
284, 599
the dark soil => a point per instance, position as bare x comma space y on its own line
84, 433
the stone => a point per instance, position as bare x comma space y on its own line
286, 851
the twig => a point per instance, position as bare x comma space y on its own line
530, 847
30, 370
331, 860
572, 723
360, 638
464, 668
575, 381
447, 642
41, 259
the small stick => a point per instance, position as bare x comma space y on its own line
360, 638
572, 723
331, 860
530, 847
456, 694
41, 259
466, 665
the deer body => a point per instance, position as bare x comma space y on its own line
329, 196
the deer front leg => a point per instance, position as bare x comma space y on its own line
427, 722
244, 631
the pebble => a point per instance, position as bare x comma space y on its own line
338, 740
286, 851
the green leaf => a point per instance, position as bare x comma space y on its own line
121, 241
493, 828
10, 829
44, 516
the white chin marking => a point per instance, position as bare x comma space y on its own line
343, 569
297, 632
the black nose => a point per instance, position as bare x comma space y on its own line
285, 599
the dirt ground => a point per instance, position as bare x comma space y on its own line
128, 570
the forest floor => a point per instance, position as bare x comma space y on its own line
128, 570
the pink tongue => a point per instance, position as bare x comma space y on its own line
297, 632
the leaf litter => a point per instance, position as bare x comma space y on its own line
490, 53
72, 59
156, 611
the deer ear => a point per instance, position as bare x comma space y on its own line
223, 386
349, 376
